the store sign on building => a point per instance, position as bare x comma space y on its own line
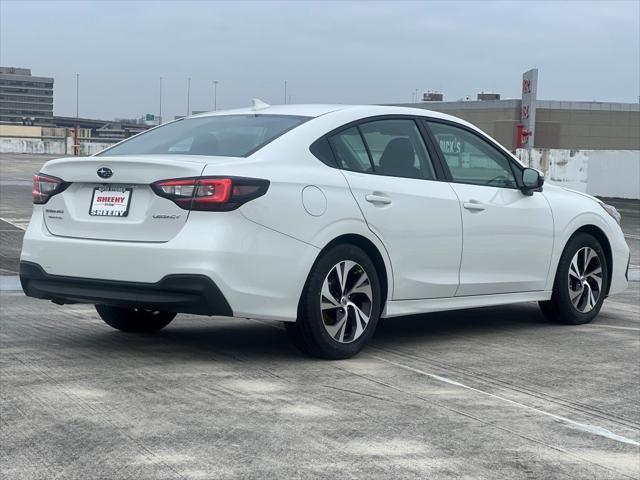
528, 109
449, 144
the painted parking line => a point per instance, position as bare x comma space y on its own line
20, 223
634, 273
614, 326
625, 307
16, 183
10, 283
585, 427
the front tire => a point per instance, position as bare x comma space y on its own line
581, 282
134, 320
340, 305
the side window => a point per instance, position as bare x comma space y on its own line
350, 151
471, 159
397, 149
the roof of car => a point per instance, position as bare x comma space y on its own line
290, 109
317, 110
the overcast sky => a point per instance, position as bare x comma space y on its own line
346, 52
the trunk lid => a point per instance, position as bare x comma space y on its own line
80, 211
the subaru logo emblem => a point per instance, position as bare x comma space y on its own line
105, 172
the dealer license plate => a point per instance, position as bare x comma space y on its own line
110, 201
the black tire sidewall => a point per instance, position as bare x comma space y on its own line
310, 325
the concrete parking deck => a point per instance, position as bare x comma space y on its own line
486, 393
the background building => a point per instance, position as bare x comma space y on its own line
592, 147
114, 129
488, 96
567, 125
432, 97
25, 99
547, 124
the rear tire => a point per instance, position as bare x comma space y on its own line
340, 305
134, 320
581, 282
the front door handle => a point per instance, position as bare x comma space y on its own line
380, 199
474, 206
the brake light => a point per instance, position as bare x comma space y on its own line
46, 186
211, 193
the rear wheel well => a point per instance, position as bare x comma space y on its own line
606, 246
372, 251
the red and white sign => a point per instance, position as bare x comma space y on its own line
528, 110
110, 202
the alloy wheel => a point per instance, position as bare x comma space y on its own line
346, 301
585, 279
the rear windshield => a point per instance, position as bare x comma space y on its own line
226, 135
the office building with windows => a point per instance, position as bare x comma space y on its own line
25, 99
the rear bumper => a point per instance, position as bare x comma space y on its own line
260, 272
174, 293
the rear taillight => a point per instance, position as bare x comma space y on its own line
219, 194
46, 186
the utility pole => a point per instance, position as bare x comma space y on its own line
160, 109
188, 94
77, 97
285, 92
76, 145
215, 95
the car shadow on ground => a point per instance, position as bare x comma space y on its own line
193, 337
472, 322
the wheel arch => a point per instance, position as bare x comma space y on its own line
373, 251
602, 238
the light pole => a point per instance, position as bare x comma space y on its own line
77, 96
215, 95
285, 92
160, 109
76, 133
188, 94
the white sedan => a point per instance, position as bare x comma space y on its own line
325, 217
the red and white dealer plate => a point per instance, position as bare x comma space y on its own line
110, 201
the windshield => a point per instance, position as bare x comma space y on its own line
225, 135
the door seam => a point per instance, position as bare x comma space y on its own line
461, 237
364, 217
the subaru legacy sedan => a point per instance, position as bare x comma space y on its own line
324, 217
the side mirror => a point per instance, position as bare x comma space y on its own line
532, 181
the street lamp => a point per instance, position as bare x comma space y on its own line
215, 95
160, 109
188, 94
76, 133
77, 96
285, 92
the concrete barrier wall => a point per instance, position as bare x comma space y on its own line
20, 131
88, 148
606, 173
32, 145
49, 146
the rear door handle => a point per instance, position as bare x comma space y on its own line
381, 199
474, 206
